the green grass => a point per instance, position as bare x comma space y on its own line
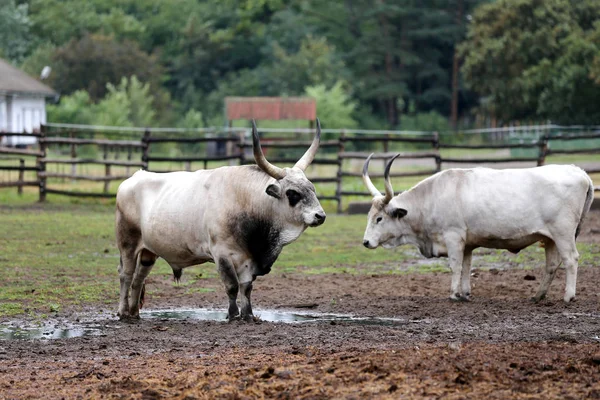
62, 255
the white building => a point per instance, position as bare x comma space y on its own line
22, 104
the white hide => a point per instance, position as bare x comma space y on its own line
458, 210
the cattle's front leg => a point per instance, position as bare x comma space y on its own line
230, 280
455, 257
245, 291
465, 278
552, 262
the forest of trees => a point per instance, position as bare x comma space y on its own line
403, 64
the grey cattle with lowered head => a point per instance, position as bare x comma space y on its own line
238, 217
458, 210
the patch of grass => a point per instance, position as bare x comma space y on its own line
11, 309
200, 290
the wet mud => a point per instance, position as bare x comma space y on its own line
499, 345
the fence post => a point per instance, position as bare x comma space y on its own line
73, 154
436, 146
241, 146
145, 149
106, 174
543, 145
21, 176
41, 164
128, 168
386, 148
338, 188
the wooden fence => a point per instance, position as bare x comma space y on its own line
60, 157
27, 161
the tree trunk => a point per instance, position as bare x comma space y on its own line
392, 111
455, 67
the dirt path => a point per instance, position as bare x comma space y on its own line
498, 346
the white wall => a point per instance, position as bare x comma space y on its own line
3, 115
24, 114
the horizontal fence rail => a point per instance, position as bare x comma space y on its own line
66, 154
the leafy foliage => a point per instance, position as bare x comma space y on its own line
14, 30
95, 60
334, 105
397, 58
535, 59
130, 103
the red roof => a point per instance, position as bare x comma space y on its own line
271, 108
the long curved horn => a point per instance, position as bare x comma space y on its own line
389, 192
309, 156
259, 157
365, 175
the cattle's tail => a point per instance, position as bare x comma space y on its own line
587, 205
177, 274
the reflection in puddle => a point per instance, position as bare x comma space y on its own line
10, 332
94, 326
269, 316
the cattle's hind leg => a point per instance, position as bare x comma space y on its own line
147, 260
126, 269
570, 258
552, 261
230, 280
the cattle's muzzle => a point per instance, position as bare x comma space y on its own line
319, 219
367, 244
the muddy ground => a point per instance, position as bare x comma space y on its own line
498, 346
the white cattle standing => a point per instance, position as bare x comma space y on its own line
458, 210
239, 217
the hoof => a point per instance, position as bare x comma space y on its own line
129, 318
231, 318
459, 298
537, 299
569, 299
250, 318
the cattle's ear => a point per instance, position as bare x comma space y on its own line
398, 212
274, 190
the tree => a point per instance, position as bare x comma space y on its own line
134, 100
534, 59
334, 105
73, 109
95, 60
130, 103
399, 52
15, 39
59, 21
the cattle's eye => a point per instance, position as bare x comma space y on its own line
293, 197
378, 220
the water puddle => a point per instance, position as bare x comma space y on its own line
201, 314
92, 325
12, 332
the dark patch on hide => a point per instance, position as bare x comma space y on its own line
147, 263
260, 237
293, 197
